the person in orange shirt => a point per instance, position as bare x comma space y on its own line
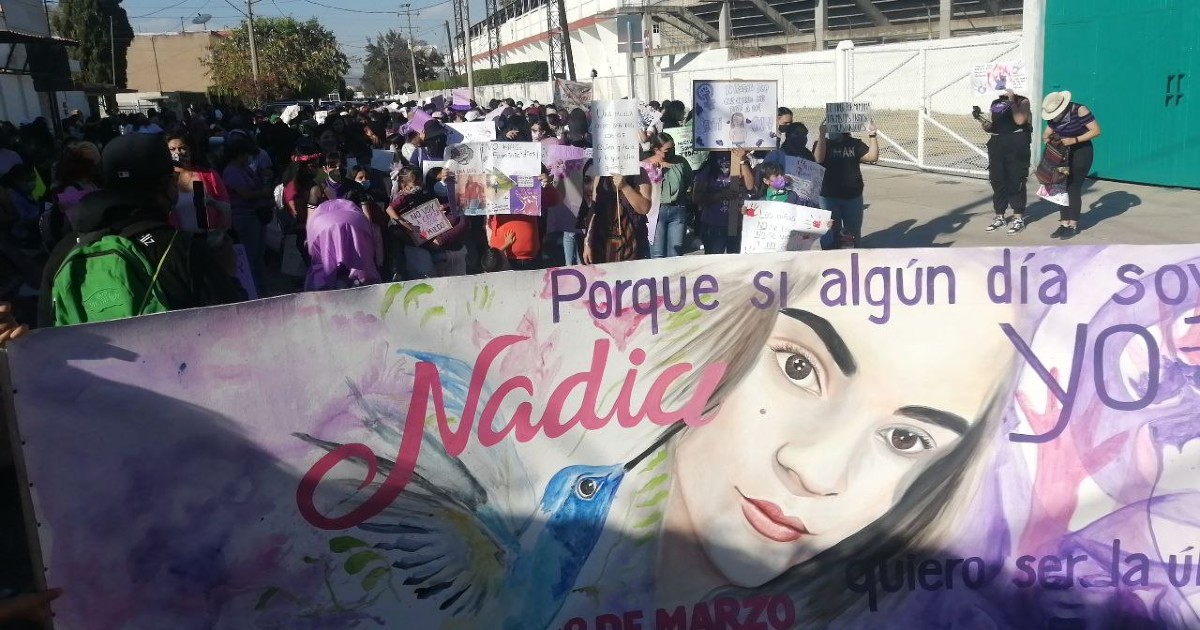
525, 250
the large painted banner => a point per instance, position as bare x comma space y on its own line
934, 438
571, 95
495, 178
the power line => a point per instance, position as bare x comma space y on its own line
136, 17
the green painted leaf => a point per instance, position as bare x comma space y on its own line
649, 520
657, 481
431, 313
414, 294
687, 316
654, 500
359, 561
342, 544
389, 298
265, 598
653, 462
372, 578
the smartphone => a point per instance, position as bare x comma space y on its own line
976, 112
199, 204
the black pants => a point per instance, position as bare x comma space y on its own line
1008, 170
1081, 165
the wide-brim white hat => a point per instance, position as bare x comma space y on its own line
1055, 104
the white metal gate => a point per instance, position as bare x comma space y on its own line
921, 101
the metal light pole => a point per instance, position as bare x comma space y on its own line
112, 48
469, 61
412, 50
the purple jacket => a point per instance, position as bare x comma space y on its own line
341, 242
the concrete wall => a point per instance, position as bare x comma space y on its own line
169, 63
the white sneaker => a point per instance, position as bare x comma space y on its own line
996, 223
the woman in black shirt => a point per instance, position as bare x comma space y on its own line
1008, 157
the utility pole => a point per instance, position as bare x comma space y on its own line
253, 49
391, 77
470, 62
450, 45
112, 48
412, 48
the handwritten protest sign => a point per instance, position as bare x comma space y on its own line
495, 178
371, 457
774, 226
470, 132
989, 78
460, 99
429, 221
734, 114
847, 117
572, 94
804, 178
615, 126
685, 147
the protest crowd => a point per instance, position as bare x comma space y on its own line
219, 206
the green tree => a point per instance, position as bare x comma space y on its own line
295, 60
375, 73
88, 22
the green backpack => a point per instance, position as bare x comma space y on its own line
107, 276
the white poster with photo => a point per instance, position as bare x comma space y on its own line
468, 132
805, 178
847, 117
495, 178
615, 126
734, 114
992, 78
428, 219
774, 226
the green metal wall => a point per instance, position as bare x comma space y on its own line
1134, 63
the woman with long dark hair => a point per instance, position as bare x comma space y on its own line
617, 229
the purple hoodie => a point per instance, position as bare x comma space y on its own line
341, 242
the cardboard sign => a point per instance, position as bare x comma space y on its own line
470, 132
495, 178
417, 119
774, 226
428, 219
617, 147
805, 178
382, 160
685, 147
847, 117
734, 114
333, 460
992, 78
571, 95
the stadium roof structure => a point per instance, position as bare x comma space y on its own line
770, 26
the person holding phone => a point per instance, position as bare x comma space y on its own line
190, 172
1009, 145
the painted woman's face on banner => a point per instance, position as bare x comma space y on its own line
835, 421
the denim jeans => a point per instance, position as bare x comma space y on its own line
570, 249
714, 237
847, 215
668, 235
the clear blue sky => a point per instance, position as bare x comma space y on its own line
339, 16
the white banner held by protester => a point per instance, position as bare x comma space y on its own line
428, 219
734, 114
469, 132
847, 117
571, 95
805, 178
774, 226
615, 126
990, 78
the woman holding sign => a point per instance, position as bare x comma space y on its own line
842, 191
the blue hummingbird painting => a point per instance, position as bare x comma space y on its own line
456, 544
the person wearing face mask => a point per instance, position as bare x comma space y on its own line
842, 191
719, 190
772, 185
335, 176
783, 118
674, 181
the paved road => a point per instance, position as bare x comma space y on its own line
916, 209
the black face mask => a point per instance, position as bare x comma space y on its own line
782, 129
